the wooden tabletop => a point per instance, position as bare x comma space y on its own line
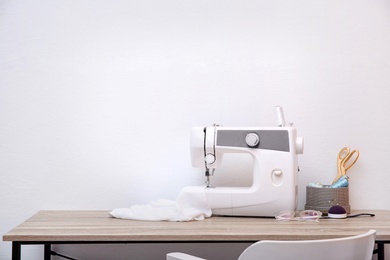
99, 226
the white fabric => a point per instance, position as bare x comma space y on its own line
190, 205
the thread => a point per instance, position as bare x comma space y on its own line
340, 183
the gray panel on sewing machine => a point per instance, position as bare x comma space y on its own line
269, 139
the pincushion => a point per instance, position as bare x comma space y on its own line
337, 212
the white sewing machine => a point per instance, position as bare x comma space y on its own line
274, 151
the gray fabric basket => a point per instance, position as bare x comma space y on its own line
323, 198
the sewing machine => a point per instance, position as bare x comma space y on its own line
274, 151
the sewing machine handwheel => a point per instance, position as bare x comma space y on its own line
299, 145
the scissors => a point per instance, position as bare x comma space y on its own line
342, 161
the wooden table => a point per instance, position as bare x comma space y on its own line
85, 227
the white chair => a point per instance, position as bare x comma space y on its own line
358, 247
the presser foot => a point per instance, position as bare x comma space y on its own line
208, 184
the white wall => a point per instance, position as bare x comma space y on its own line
97, 97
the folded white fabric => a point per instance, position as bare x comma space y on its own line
190, 205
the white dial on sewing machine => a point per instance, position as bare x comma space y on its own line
252, 139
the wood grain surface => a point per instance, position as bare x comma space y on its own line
99, 226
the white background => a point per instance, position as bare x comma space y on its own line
97, 97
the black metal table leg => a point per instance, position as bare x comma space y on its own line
381, 250
47, 253
16, 250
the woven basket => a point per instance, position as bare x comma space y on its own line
323, 198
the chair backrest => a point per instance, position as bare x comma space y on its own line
358, 247
182, 256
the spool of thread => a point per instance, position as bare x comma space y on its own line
340, 183
315, 185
